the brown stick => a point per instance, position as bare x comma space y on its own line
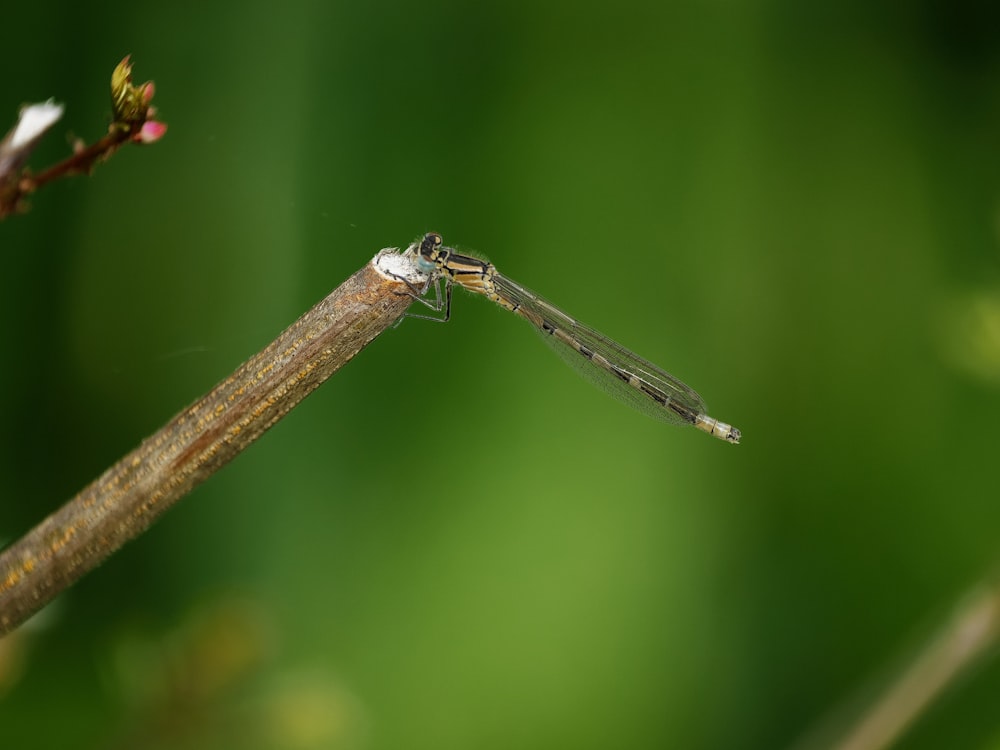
125, 500
962, 642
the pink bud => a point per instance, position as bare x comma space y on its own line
150, 132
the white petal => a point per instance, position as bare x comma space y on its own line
35, 120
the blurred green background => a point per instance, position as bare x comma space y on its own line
792, 206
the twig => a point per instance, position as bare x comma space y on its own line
82, 162
133, 121
125, 500
961, 643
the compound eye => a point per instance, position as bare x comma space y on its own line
430, 243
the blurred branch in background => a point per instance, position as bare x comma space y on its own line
125, 500
133, 121
962, 643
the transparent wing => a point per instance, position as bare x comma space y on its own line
611, 367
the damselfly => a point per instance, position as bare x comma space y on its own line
626, 376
